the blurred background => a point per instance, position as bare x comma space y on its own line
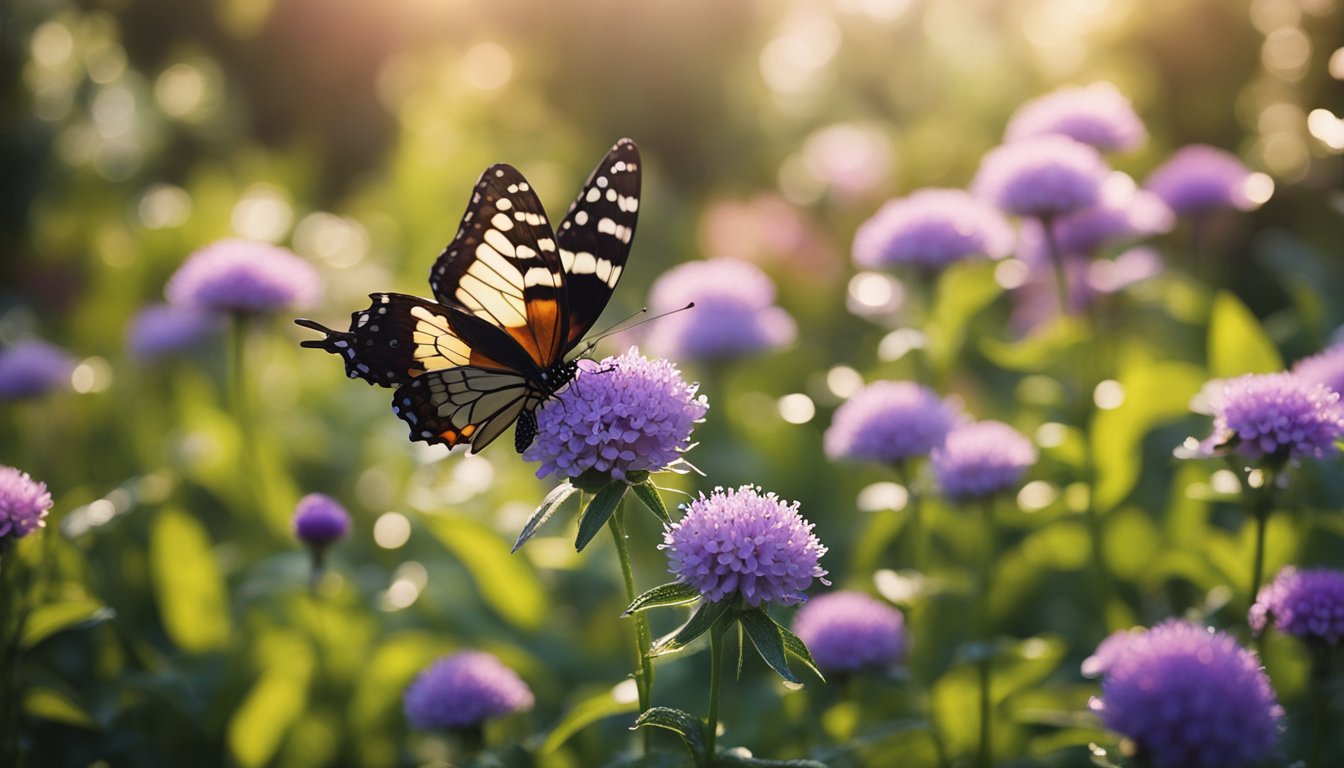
135, 131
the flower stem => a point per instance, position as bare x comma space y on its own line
715, 670
643, 636
241, 404
986, 756
918, 534
1261, 505
1057, 261
1320, 699
9, 647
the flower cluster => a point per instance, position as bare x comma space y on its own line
1275, 415
1042, 176
850, 631
1326, 368
319, 520
740, 542
24, 503
1199, 178
734, 313
1188, 697
1097, 115
162, 330
981, 458
463, 691
244, 276
32, 368
1307, 604
888, 422
1124, 213
625, 414
931, 229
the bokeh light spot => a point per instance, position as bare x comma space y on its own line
391, 530
797, 408
487, 66
263, 213
163, 206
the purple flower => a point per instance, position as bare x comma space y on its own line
161, 330
734, 313
931, 229
982, 458
1199, 178
1323, 368
625, 414
32, 368
1308, 604
319, 520
244, 276
850, 631
23, 505
1187, 696
1122, 215
463, 691
1041, 176
1275, 415
889, 422
741, 543
1098, 115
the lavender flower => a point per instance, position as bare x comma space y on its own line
1098, 115
244, 276
1308, 604
33, 368
1324, 368
320, 520
1275, 415
625, 414
1199, 178
982, 458
740, 543
1124, 214
850, 631
734, 313
1187, 696
162, 330
24, 503
463, 691
889, 422
1041, 176
931, 229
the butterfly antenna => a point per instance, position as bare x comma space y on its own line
617, 326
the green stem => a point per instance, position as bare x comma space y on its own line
1261, 523
240, 403
9, 646
918, 535
643, 636
1099, 573
1057, 262
716, 667
1320, 696
986, 756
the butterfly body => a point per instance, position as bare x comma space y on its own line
512, 298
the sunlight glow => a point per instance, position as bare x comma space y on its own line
487, 66
1109, 395
1036, 495
874, 293
391, 530
797, 408
843, 381
163, 206
263, 213
880, 497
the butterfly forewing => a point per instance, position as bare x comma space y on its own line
594, 239
503, 265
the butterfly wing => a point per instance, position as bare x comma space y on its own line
503, 267
468, 405
594, 238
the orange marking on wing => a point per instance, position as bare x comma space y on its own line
450, 436
467, 430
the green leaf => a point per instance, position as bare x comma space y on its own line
54, 705
648, 493
672, 593
963, 291
599, 511
684, 724
549, 505
1237, 342
46, 620
584, 714
764, 634
699, 623
192, 597
275, 702
795, 647
739, 756
1045, 347
508, 584
375, 712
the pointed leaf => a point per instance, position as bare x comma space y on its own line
188, 582
671, 593
703, 618
738, 756
508, 584
684, 724
599, 511
648, 493
587, 712
795, 647
1237, 342
46, 620
558, 496
57, 706
764, 634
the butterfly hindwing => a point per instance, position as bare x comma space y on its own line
595, 236
467, 405
503, 265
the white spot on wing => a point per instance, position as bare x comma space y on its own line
498, 241
501, 222
581, 218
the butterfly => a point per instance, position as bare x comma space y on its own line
512, 298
